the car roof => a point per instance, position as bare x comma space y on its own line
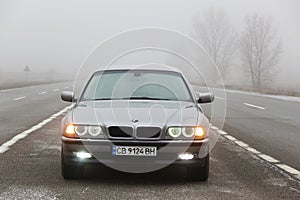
156, 67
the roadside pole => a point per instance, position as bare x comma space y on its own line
26, 70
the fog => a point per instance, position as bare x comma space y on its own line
54, 37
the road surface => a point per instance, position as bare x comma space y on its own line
270, 125
30, 167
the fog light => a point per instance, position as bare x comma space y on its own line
83, 155
185, 156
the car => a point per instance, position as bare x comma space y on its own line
136, 119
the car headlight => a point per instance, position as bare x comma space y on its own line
82, 130
188, 131
95, 130
69, 130
174, 132
196, 132
200, 132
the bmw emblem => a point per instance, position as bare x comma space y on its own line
135, 120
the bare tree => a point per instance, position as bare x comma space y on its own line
214, 31
260, 49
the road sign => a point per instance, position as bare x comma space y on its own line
27, 69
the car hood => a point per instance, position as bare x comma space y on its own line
138, 112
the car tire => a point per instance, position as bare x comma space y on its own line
199, 173
71, 171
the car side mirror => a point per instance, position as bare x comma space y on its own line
206, 98
67, 96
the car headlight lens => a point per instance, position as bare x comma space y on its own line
95, 130
188, 131
174, 132
196, 132
81, 130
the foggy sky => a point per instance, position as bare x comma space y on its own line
55, 34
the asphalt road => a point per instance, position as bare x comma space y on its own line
22, 108
270, 125
30, 169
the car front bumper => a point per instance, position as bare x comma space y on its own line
167, 152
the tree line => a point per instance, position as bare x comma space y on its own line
256, 46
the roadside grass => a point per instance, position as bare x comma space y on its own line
270, 91
20, 84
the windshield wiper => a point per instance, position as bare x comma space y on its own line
130, 98
99, 99
149, 98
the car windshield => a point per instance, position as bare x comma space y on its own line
137, 84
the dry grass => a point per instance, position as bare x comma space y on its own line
20, 84
271, 91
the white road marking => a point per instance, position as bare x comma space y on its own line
5, 146
252, 150
288, 169
66, 87
214, 128
294, 172
254, 106
42, 93
221, 132
3, 149
55, 90
241, 144
19, 98
217, 97
229, 137
268, 158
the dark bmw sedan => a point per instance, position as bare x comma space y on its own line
136, 119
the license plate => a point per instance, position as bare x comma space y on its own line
133, 151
